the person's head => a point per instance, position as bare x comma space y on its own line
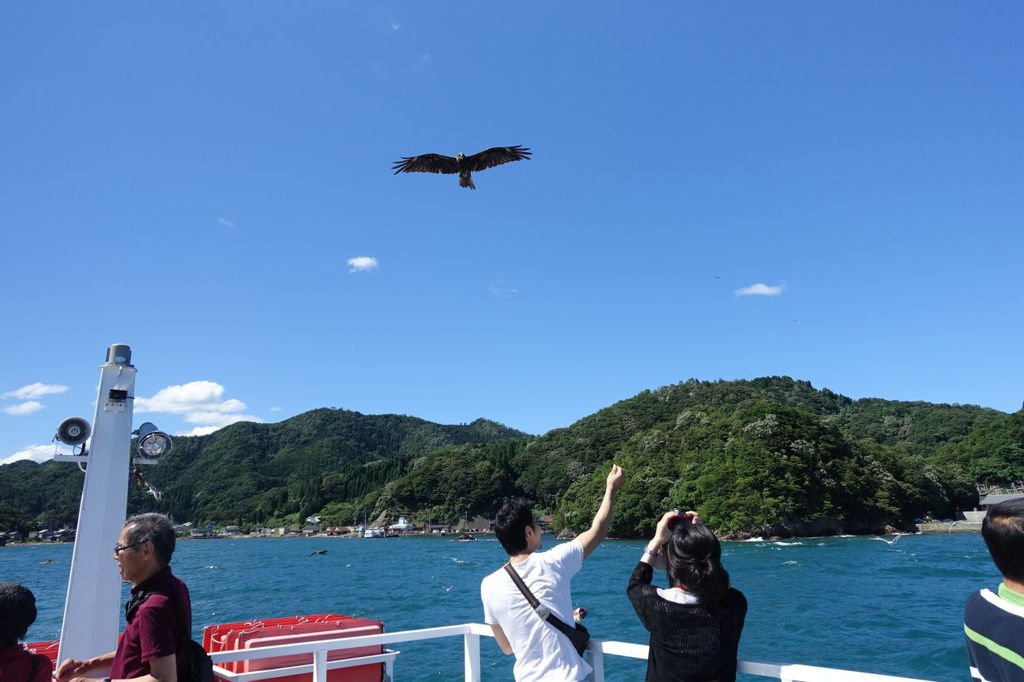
694, 559
17, 612
144, 547
516, 529
1003, 530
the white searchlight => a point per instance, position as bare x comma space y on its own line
153, 443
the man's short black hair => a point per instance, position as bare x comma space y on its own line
17, 612
1003, 530
510, 525
155, 528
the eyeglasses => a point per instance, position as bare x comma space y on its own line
120, 548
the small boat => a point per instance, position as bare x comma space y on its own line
373, 533
466, 537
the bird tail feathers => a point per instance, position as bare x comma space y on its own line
466, 181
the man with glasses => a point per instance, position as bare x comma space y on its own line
159, 614
542, 652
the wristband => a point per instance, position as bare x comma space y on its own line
655, 552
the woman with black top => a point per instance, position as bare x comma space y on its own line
695, 624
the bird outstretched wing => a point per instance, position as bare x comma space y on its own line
427, 163
495, 156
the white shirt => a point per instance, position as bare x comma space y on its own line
542, 653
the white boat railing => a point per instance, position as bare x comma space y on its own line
471, 634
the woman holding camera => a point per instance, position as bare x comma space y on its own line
695, 624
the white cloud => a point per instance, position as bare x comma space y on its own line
362, 263
35, 390
225, 222
275, 408
36, 453
760, 289
179, 399
200, 402
501, 290
27, 407
200, 431
219, 419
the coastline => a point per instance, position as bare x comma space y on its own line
920, 529
950, 527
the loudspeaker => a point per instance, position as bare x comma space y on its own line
73, 431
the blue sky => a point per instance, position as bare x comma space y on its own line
718, 190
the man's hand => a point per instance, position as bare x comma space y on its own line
72, 668
616, 477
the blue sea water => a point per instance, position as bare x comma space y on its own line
850, 602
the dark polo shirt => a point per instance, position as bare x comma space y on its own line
160, 626
18, 665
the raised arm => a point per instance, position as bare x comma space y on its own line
598, 530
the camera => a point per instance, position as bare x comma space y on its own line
680, 517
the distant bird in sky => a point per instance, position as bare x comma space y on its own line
460, 163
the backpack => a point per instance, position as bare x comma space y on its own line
198, 663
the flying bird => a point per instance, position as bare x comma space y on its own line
889, 542
460, 163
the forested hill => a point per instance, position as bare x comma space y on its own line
771, 455
253, 473
776, 456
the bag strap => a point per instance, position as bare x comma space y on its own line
534, 604
538, 608
144, 595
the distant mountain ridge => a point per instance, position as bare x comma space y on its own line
768, 455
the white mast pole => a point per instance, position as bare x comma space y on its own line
92, 608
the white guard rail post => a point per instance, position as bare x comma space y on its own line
471, 634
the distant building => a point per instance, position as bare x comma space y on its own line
994, 494
995, 498
477, 524
402, 526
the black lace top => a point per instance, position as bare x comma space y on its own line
689, 642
